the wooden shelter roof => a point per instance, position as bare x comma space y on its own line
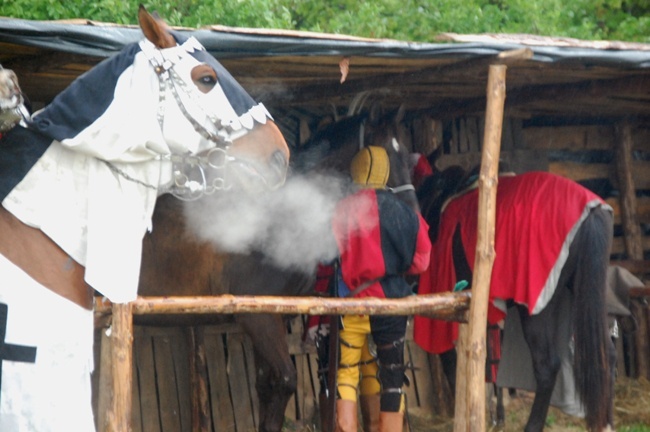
301, 71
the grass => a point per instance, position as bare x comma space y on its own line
635, 428
631, 413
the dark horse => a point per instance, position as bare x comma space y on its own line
552, 243
78, 187
177, 262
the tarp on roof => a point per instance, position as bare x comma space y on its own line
102, 40
302, 71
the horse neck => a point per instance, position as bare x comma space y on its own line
399, 181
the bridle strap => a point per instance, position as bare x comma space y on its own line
224, 136
402, 188
183, 165
168, 79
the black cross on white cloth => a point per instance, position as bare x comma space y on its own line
11, 352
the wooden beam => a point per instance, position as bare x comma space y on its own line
119, 419
444, 306
475, 349
640, 291
445, 73
531, 98
634, 266
631, 228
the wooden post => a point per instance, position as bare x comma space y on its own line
104, 399
631, 232
462, 421
475, 350
631, 228
119, 419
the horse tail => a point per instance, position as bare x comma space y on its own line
591, 363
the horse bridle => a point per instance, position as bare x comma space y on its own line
190, 171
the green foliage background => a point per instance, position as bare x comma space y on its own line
414, 20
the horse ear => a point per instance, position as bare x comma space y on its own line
155, 29
374, 115
401, 113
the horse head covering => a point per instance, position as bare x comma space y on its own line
113, 92
370, 167
162, 115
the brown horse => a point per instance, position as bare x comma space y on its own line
78, 188
176, 257
552, 243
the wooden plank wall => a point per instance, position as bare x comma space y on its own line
161, 371
161, 387
584, 153
587, 153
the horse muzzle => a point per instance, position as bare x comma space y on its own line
254, 176
195, 176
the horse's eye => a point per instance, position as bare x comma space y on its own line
208, 80
204, 77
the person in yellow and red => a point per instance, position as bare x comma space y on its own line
380, 239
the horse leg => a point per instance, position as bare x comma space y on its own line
276, 378
448, 360
501, 412
611, 353
540, 331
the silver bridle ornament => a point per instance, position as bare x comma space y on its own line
203, 173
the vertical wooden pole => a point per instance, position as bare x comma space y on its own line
122, 368
105, 380
631, 228
631, 231
475, 350
199, 385
461, 410
193, 359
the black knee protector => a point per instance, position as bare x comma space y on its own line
391, 374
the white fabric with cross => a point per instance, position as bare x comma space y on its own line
48, 395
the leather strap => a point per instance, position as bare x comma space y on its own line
363, 286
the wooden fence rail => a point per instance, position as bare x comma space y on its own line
446, 306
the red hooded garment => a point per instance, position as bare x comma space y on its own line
380, 239
537, 217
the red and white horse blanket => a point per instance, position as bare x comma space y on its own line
537, 217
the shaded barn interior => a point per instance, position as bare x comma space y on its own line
579, 109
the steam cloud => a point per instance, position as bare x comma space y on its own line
290, 226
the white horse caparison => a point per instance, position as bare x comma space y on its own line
78, 187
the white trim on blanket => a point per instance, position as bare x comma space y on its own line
554, 276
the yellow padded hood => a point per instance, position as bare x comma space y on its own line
370, 167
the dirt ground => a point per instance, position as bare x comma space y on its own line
631, 411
